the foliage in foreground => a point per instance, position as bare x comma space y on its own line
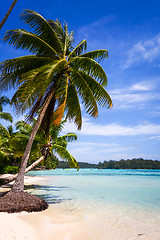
13, 143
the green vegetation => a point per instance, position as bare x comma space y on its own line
11, 169
135, 163
3, 115
13, 143
63, 164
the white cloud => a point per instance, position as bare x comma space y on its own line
144, 51
139, 86
114, 129
155, 138
132, 100
84, 151
95, 152
142, 86
135, 96
94, 144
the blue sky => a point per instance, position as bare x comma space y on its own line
130, 31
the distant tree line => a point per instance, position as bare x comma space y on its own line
63, 164
135, 163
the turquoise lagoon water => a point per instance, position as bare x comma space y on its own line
132, 189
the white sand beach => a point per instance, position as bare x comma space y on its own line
62, 223
66, 221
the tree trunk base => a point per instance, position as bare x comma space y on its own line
13, 202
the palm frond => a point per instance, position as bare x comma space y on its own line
58, 29
12, 69
24, 98
42, 28
97, 55
100, 94
53, 75
78, 49
60, 142
69, 137
55, 130
5, 150
61, 94
23, 39
65, 155
6, 116
3, 101
23, 127
3, 131
85, 92
62, 34
58, 114
73, 108
91, 67
36, 83
10, 129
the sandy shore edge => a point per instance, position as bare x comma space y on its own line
28, 180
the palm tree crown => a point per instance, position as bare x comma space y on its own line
56, 67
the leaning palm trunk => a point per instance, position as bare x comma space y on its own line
8, 13
35, 163
5, 180
19, 182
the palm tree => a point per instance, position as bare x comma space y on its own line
45, 149
8, 13
4, 115
13, 143
52, 79
5, 149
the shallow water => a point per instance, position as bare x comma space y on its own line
135, 188
121, 197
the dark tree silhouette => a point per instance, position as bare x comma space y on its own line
8, 13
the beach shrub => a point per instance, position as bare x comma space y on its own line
11, 169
